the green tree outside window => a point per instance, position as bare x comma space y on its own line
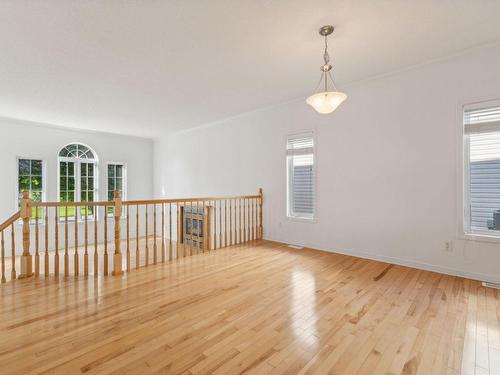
30, 179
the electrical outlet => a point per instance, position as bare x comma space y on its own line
447, 246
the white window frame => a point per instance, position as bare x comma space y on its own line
463, 161
44, 183
289, 215
77, 162
124, 181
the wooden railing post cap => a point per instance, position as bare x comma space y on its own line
25, 209
118, 204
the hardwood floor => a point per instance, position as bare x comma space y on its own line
71, 259
263, 309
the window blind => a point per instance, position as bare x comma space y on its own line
300, 145
480, 116
482, 129
300, 159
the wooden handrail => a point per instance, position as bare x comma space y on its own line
183, 200
137, 202
193, 225
10, 220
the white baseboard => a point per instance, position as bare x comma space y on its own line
408, 263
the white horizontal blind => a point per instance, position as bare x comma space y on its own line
482, 132
300, 160
481, 116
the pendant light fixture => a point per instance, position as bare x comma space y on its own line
326, 101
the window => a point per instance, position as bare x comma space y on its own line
300, 176
482, 169
117, 181
30, 177
77, 178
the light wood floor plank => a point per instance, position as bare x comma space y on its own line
261, 308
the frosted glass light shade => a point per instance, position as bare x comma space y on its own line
326, 102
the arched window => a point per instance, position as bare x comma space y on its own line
77, 178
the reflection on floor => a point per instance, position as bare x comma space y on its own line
255, 309
100, 254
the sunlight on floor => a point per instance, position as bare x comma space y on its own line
304, 307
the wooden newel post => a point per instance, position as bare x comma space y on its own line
117, 257
26, 259
261, 227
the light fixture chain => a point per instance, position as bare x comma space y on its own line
331, 78
319, 83
326, 56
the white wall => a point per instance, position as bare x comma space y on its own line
30, 140
387, 166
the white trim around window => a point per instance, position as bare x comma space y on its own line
301, 145
124, 178
44, 181
124, 182
464, 229
77, 176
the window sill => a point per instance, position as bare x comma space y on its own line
301, 219
482, 237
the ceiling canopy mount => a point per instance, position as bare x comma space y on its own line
326, 30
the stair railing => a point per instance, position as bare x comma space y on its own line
153, 231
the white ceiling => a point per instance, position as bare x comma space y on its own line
148, 67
